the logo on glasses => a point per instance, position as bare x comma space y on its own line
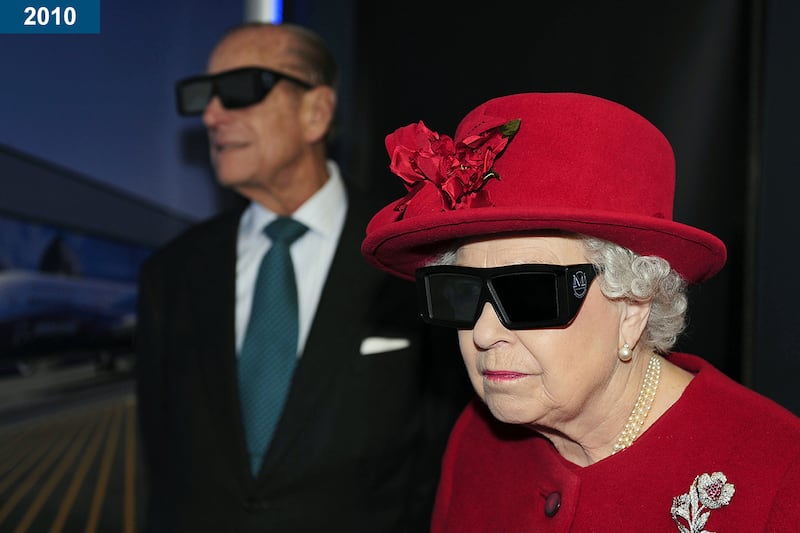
579, 284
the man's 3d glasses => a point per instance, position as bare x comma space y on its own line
237, 88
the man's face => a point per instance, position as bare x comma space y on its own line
251, 146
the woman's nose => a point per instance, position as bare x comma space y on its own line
488, 329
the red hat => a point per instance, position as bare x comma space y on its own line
537, 161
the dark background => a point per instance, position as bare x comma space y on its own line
718, 77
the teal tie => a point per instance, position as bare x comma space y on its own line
269, 350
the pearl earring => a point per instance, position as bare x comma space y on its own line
625, 353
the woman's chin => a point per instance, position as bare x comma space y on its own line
511, 411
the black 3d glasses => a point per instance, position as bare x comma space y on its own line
530, 296
237, 88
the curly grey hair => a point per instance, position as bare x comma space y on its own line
625, 275
629, 276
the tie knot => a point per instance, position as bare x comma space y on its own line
285, 230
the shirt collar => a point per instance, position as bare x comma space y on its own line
319, 213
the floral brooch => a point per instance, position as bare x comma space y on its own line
708, 491
441, 174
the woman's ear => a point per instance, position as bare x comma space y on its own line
634, 320
316, 114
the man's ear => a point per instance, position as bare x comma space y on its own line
318, 108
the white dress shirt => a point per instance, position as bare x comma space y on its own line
312, 253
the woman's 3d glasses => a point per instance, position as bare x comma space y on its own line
530, 296
235, 88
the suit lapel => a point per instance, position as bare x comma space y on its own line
212, 278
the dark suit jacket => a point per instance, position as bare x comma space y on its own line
358, 447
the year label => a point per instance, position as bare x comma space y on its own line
50, 16
43, 16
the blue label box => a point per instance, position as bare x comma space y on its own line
49, 16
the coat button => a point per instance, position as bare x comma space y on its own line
252, 504
249, 504
552, 504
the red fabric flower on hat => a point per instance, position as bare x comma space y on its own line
441, 174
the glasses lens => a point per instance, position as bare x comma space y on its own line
241, 88
193, 96
531, 296
527, 297
453, 298
235, 89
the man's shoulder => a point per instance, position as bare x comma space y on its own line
210, 233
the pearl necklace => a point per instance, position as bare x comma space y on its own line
642, 407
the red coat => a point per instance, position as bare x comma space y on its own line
503, 478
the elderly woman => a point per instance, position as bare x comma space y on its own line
543, 233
